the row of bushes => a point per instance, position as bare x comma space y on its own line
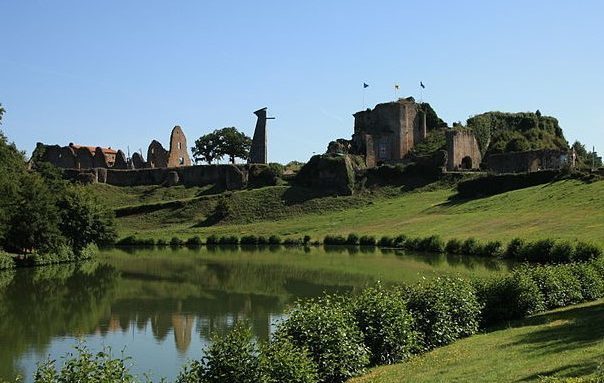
213, 240
541, 251
61, 254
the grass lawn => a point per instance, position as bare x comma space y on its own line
566, 343
566, 210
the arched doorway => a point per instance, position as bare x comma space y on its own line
466, 162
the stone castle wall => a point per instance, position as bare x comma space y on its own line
463, 152
529, 161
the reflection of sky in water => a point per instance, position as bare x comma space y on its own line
158, 358
162, 309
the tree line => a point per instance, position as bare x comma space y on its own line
42, 213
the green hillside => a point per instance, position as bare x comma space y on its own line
567, 209
564, 343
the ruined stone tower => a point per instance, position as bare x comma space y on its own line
258, 152
178, 154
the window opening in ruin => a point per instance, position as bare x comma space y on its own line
181, 161
382, 150
179, 146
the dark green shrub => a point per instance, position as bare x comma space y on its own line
508, 297
147, 242
515, 249
470, 247
454, 246
212, 240
558, 285
353, 239
334, 240
228, 240
274, 240
290, 242
193, 242
386, 241
85, 367
587, 251
127, 241
590, 280
262, 240
161, 243
492, 249
281, 361
367, 240
306, 239
412, 244
539, 252
432, 244
386, 324
326, 328
176, 242
562, 252
445, 309
231, 358
6, 261
249, 240
399, 241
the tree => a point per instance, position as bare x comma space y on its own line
221, 142
207, 148
234, 143
586, 159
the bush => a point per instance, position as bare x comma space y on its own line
539, 252
562, 252
193, 242
492, 249
454, 246
353, 239
470, 247
307, 239
587, 251
399, 241
281, 361
85, 367
332, 240
515, 249
326, 328
228, 240
249, 240
274, 240
413, 244
176, 242
212, 240
292, 242
432, 244
6, 261
445, 309
590, 280
508, 297
386, 324
367, 240
161, 243
127, 241
558, 285
386, 241
231, 358
262, 240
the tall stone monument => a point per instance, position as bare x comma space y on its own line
258, 152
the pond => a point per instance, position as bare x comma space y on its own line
160, 306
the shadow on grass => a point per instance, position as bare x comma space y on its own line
565, 330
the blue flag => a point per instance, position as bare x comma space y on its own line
365, 85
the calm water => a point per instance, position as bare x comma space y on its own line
162, 305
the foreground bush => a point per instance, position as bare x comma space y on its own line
387, 325
231, 358
445, 309
85, 367
6, 261
281, 361
326, 328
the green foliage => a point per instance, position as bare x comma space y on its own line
367, 240
559, 285
207, 148
353, 239
590, 279
386, 324
85, 366
454, 246
587, 251
470, 247
433, 244
386, 241
334, 240
194, 242
281, 361
228, 240
502, 183
249, 240
212, 240
176, 242
444, 309
6, 261
326, 328
277, 168
232, 358
498, 132
274, 240
585, 159
222, 142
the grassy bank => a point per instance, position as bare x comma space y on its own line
566, 343
563, 210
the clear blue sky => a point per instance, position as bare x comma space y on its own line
119, 73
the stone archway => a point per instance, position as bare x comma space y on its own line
466, 162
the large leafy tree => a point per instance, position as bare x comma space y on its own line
222, 142
586, 159
207, 148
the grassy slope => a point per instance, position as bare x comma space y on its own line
567, 342
566, 209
